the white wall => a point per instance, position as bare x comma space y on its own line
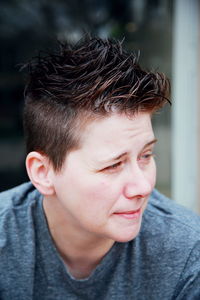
185, 98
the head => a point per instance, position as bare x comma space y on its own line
77, 101
88, 81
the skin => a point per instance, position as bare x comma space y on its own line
101, 192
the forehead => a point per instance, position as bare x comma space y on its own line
116, 130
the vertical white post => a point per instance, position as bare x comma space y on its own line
185, 98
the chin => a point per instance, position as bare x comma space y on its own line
127, 236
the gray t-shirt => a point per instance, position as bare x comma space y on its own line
162, 262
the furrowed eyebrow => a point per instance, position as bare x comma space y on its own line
150, 143
116, 158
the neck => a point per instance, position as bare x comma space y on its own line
81, 251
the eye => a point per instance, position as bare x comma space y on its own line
115, 167
146, 157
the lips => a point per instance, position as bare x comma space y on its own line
131, 214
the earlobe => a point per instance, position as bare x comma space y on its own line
39, 169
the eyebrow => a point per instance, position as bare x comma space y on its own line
150, 143
123, 154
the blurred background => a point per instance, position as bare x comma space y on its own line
166, 34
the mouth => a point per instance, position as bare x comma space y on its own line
132, 214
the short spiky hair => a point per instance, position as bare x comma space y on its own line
91, 79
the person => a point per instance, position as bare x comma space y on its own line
89, 224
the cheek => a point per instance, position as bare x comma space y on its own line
101, 193
96, 203
89, 192
100, 200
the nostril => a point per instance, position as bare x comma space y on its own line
137, 191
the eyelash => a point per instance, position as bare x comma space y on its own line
115, 166
146, 158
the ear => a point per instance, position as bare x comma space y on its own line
39, 170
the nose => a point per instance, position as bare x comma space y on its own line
138, 184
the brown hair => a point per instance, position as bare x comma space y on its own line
82, 82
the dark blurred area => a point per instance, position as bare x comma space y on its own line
29, 26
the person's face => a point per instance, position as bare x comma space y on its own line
104, 186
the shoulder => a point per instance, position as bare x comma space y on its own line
172, 232
169, 244
16, 207
17, 196
170, 225
17, 240
168, 214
